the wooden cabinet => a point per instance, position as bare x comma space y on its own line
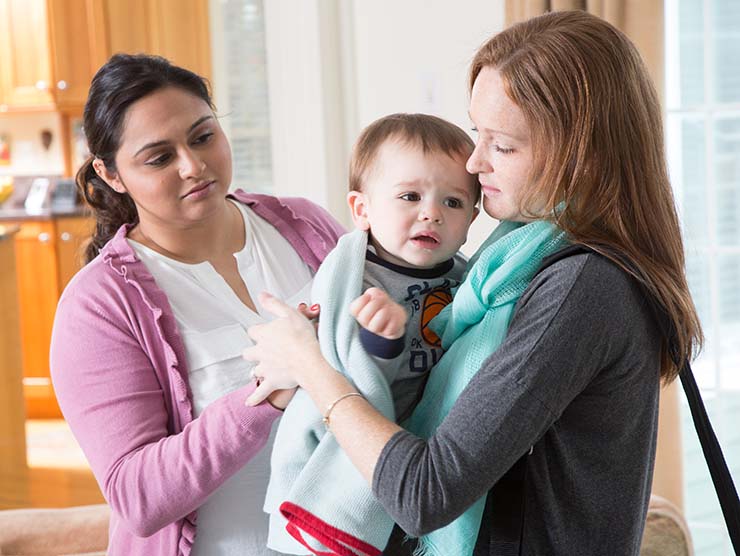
72, 234
175, 29
38, 291
25, 57
47, 254
48, 53
77, 50
50, 49
12, 413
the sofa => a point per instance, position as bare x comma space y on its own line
83, 531
79, 530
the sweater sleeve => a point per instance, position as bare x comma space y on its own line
110, 395
379, 346
569, 325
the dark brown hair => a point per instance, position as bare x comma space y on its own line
431, 133
122, 81
597, 137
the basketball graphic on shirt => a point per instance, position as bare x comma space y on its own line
434, 302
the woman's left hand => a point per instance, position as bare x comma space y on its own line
284, 349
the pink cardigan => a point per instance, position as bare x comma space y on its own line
120, 374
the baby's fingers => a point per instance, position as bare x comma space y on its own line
359, 304
368, 313
387, 323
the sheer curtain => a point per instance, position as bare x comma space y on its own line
641, 20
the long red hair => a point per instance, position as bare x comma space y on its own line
597, 136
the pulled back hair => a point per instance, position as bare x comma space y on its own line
432, 134
122, 81
597, 139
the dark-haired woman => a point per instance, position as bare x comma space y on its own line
145, 349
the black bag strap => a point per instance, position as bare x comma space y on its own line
506, 527
721, 477
502, 524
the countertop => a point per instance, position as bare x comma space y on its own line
14, 206
47, 214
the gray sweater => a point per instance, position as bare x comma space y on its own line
576, 378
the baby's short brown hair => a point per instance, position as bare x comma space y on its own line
431, 133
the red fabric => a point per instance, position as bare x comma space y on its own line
339, 542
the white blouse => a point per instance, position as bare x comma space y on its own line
213, 321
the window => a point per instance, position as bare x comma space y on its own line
703, 145
240, 87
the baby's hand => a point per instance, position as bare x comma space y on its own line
379, 314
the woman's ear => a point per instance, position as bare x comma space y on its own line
111, 178
358, 208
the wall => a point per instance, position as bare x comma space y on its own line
334, 66
413, 56
28, 157
307, 113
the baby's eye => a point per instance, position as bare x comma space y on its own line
204, 138
410, 196
452, 202
159, 160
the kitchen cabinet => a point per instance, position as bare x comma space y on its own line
25, 60
72, 234
50, 49
175, 29
12, 413
38, 292
78, 49
49, 52
47, 254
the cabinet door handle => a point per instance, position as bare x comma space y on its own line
44, 237
66, 236
62, 85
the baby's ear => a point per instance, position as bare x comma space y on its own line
358, 208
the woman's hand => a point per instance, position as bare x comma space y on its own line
285, 349
379, 314
287, 354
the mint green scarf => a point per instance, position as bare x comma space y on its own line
471, 328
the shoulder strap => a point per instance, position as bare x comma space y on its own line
513, 527
502, 524
721, 477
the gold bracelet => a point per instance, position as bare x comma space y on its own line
330, 407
